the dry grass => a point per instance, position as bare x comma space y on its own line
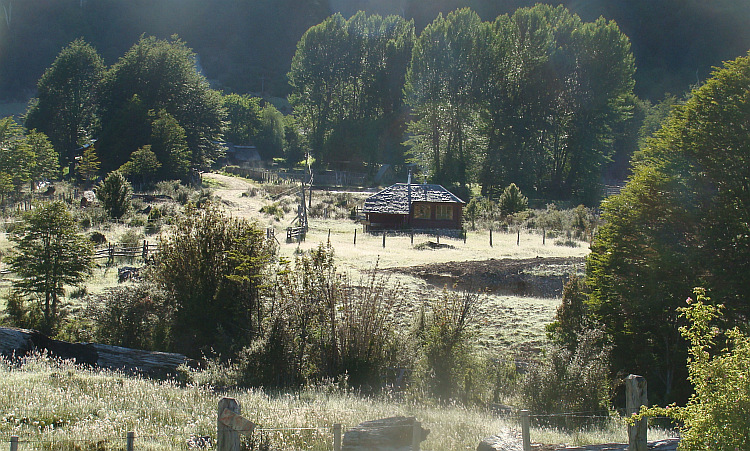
54, 405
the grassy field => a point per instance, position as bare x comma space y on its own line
57, 406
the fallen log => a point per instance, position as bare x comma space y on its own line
21, 342
387, 434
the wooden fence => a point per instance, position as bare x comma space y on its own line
112, 251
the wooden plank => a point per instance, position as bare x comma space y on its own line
237, 422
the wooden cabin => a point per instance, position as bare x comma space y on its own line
415, 206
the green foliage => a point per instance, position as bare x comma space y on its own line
449, 369
682, 218
160, 76
243, 118
23, 158
346, 78
49, 254
213, 269
270, 136
512, 201
570, 381
114, 193
66, 108
714, 418
142, 165
88, 167
138, 316
572, 316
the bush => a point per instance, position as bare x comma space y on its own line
135, 317
512, 201
448, 368
115, 192
716, 417
570, 381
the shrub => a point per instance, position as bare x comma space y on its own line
135, 317
512, 201
716, 417
570, 381
115, 192
448, 369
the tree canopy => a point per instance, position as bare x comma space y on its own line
153, 76
680, 222
66, 105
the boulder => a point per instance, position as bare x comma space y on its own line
387, 434
507, 441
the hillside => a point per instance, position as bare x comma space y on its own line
248, 46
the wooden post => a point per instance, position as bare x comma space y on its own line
130, 441
227, 439
416, 436
412, 237
544, 236
337, 437
438, 237
635, 397
329, 236
355, 237
525, 425
383, 240
518, 240
490, 237
13, 443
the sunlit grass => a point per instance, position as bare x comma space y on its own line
56, 405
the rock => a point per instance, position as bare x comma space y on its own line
506, 441
387, 434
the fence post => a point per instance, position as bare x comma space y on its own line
544, 236
416, 436
490, 237
337, 437
525, 434
635, 397
518, 240
383, 240
131, 439
355, 237
227, 439
13, 443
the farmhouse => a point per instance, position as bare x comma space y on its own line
410, 205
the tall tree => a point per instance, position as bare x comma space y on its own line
66, 105
443, 87
680, 222
346, 79
157, 75
243, 118
49, 254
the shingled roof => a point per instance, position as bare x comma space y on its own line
394, 199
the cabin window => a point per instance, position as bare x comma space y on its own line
444, 212
421, 211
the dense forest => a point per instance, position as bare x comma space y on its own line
247, 47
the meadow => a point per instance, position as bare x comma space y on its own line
53, 405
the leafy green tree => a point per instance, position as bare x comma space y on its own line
88, 167
114, 192
346, 79
66, 105
443, 87
213, 269
270, 137
16, 157
45, 164
157, 75
295, 143
143, 165
49, 254
681, 220
169, 145
243, 118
